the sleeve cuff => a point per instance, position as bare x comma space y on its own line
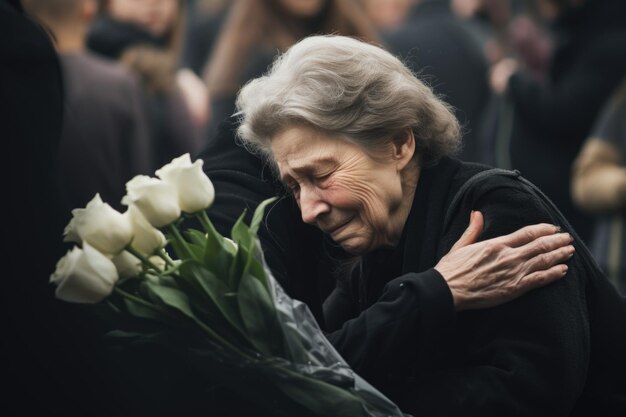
436, 303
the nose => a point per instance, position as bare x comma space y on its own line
312, 205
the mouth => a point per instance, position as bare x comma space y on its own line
334, 230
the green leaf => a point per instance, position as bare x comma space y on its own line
217, 293
197, 251
237, 268
196, 236
240, 232
173, 298
259, 317
179, 249
258, 215
142, 311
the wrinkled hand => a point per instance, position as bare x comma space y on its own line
494, 271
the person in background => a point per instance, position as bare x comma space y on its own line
105, 139
439, 47
255, 30
146, 36
548, 120
387, 15
599, 187
204, 23
48, 356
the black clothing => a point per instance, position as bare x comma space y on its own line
443, 52
557, 350
105, 139
110, 37
171, 127
202, 32
46, 347
298, 256
553, 119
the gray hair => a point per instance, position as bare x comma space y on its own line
350, 88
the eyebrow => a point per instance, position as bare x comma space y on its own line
323, 160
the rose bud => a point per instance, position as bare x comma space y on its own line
195, 189
156, 199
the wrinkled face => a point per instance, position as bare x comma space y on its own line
155, 16
341, 189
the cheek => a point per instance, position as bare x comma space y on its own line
356, 196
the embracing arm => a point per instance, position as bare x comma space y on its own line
526, 357
417, 311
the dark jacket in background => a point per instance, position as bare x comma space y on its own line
553, 119
202, 32
171, 127
557, 350
105, 139
441, 49
47, 347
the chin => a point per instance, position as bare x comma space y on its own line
355, 246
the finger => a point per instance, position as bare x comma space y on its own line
541, 278
544, 244
546, 261
474, 229
528, 234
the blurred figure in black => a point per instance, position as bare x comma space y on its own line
204, 23
105, 140
547, 121
48, 361
599, 187
440, 49
146, 37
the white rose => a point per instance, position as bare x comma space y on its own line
195, 189
158, 262
100, 225
84, 276
156, 199
146, 238
127, 265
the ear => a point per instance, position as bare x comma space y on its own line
404, 149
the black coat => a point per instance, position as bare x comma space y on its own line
558, 350
46, 356
299, 256
553, 118
441, 49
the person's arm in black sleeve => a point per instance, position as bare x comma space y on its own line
528, 357
414, 309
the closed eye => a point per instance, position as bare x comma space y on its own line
323, 177
293, 187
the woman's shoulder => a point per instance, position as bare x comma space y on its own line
506, 199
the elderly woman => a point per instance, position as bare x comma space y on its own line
365, 148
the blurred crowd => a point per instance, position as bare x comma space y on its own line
538, 85
534, 82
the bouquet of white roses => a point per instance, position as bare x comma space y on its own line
217, 302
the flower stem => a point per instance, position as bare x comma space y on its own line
206, 222
212, 334
138, 300
142, 258
163, 255
172, 227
